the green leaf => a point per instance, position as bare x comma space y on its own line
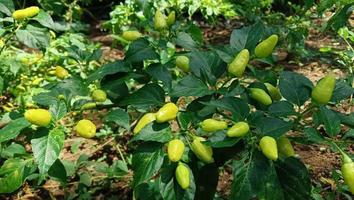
184, 119
75, 86
160, 72
118, 116
294, 179
330, 121
272, 126
116, 89
147, 161
58, 110
347, 120
190, 86
219, 140
246, 37
108, 69
139, 51
341, 16
7, 7
165, 181
312, 135
86, 179
147, 191
154, 132
15, 171
1, 85
46, 20
207, 65
349, 134
281, 109
341, 91
149, 95
118, 169
295, 87
253, 177
45, 99
13, 129
46, 149
33, 37
57, 171
12, 150
238, 107
186, 41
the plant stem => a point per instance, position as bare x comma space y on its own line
120, 153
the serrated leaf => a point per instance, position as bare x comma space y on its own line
46, 149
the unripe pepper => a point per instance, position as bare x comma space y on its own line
273, 91
182, 62
25, 13
85, 128
171, 18
166, 113
39, 117
239, 129
131, 35
32, 11
88, 106
261, 96
159, 20
284, 147
182, 176
348, 172
202, 151
265, 48
61, 73
269, 147
323, 91
99, 95
212, 125
175, 149
238, 65
19, 14
145, 120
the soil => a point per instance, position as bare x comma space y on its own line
319, 159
